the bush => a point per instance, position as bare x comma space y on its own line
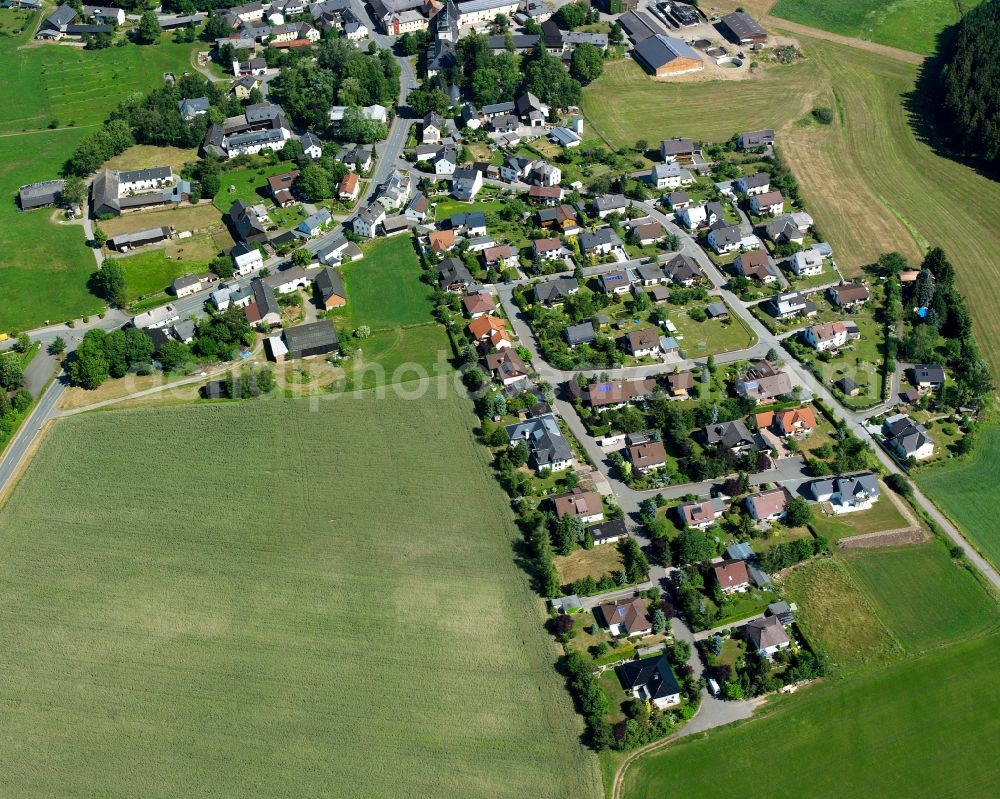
823, 115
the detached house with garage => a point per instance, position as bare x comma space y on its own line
627, 617
547, 449
907, 438
652, 680
643, 343
767, 636
579, 504
846, 494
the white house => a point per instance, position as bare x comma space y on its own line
725, 239
807, 262
767, 635
757, 183
768, 202
669, 176
246, 259
368, 219
693, 215
826, 336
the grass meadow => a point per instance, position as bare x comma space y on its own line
275, 602
908, 24
151, 272
967, 490
871, 154
924, 728
44, 273
924, 597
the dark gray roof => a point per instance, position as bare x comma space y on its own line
452, 271
313, 338
609, 528
610, 202
742, 25
558, 289
63, 15
263, 295
729, 434
582, 333
329, 283
37, 194
601, 236
652, 673
928, 373
544, 439
658, 50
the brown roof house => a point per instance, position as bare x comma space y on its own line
702, 514
762, 382
767, 635
579, 504
281, 188
732, 576
754, 265
506, 366
796, 421
647, 456
478, 304
767, 506
642, 343
615, 394
848, 295
680, 384
627, 617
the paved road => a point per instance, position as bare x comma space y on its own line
21, 444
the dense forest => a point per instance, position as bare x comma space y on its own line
970, 85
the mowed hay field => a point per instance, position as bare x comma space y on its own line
868, 179
252, 599
967, 490
908, 24
922, 729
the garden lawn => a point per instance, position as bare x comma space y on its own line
883, 515
597, 562
151, 272
328, 606
249, 185
835, 618
922, 595
922, 729
711, 337
968, 491
384, 289
398, 355
908, 24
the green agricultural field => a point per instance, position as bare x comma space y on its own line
75, 87
44, 272
922, 595
967, 490
923, 729
908, 24
625, 104
281, 598
835, 617
151, 272
384, 289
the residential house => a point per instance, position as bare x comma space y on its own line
554, 292
755, 265
643, 343
280, 187
725, 239
682, 271
650, 275
927, 377
312, 147
846, 494
907, 438
367, 222
788, 228
768, 506
702, 514
289, 280
349, 188
849, 295
582, 333
246, 259
795, 421
787, 306
652, 680
767, 635
669, 176
647, 456
615, 282
648, 233
806, 262
338, 251
678, 200
445, 161
263, 307
475, 305
466, 184
314, 224
471, 224
755, 184
454, 276
617, 394
547, 449
762, 382
733, 436
561, 218
506, 367
187, 284
826, 336
193, 107
732, 577
551, 249
610, 531
416, 211
693, 216
490, 331
441, 241
433, 125
546, 195
586, 506
607, 204
501, 256
627, 617
754, 139
767, 203
248, 223
680, 384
